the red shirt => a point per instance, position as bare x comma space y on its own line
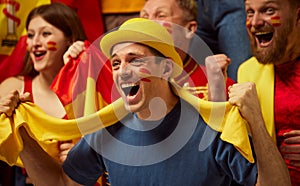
287, 106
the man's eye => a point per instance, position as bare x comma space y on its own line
115, 64
161, 16
270, 11
137, 61
250, 13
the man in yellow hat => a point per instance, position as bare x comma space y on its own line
158, 142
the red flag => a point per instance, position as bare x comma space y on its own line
13, 64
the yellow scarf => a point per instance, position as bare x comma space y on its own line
47, 130
263, 77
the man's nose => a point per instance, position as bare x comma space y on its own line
124, 70
257, 20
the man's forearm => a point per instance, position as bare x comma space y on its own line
272, 170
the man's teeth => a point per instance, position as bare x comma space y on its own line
130, 88
126, 85
262, 33
264, 37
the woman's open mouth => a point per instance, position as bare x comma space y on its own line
38, 55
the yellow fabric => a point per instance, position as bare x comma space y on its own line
47, 130
121, 6
91, 99
263, 77
225, 118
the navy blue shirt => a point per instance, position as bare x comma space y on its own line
177, 150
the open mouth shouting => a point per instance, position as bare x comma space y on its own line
263, 39
131, 91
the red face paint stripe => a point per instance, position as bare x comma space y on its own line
51, 43
275, 17
52, 48
146, 80
276, 24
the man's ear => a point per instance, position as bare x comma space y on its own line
167, 68
191, 29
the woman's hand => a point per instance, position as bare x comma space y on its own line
9, 102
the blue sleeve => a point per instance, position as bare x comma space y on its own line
235, 165
83, 164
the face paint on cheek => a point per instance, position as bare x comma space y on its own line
248, 24
146, 80
275, 20
144, 73
168, 26
52, 46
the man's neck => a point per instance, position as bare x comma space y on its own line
158, 108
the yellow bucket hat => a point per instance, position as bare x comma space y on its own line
147, 32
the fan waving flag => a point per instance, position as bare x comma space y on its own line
13, 34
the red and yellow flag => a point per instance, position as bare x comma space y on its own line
90, 71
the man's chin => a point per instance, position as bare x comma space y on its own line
131, 108
263, 55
